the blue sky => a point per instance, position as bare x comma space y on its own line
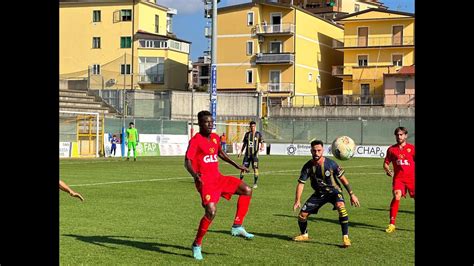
189, 23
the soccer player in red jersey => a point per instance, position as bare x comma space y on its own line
402, 157
202, 163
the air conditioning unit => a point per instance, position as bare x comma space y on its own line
207, 32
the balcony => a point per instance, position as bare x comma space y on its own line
275, 29
164, 44
150, 79
361, 42
285, 87
275, 58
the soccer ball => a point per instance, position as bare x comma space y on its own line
343, 148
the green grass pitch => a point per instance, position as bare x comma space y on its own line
147, 213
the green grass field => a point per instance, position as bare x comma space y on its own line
147, 213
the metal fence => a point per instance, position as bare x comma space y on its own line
363, 131
340, 100
147, 125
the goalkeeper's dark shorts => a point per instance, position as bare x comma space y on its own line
318, 199
250, 160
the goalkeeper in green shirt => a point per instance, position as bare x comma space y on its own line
132, 140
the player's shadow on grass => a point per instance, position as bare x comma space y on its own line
282, 237
272, 235
336, 221
119, 240
387, 210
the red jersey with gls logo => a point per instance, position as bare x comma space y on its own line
402, 159
203, 154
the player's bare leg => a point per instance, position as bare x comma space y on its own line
245, 194
397, 194
206, 220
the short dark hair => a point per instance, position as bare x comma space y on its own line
252, 123
402, 129
316, 142
131, 123
202, 114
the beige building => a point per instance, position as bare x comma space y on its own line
399, 87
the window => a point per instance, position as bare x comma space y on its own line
250, 19
275, 47
397, 59
249, 73
126, 14
356, 8
96, 69
95, 42
96, 16
125, 69
157, 24
400, 87
125, 42
249, 47
362, 60
151, 69
169, 23
364, 89
365, 93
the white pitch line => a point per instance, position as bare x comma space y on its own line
176, 178
129, 181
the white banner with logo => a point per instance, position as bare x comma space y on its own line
151, 145
173, 149
371, 151
64, 149
164, 138
364, 151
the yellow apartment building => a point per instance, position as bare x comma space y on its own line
121, 44
277, 50
376, 42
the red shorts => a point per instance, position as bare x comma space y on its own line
404, 184
225, 187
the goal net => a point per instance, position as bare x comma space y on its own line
234, 130
80, 134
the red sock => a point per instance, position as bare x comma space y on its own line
242, 209
394, 210
202, 230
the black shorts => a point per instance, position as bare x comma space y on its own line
318, 199
251, 159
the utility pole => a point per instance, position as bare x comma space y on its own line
123, 104
213, 90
